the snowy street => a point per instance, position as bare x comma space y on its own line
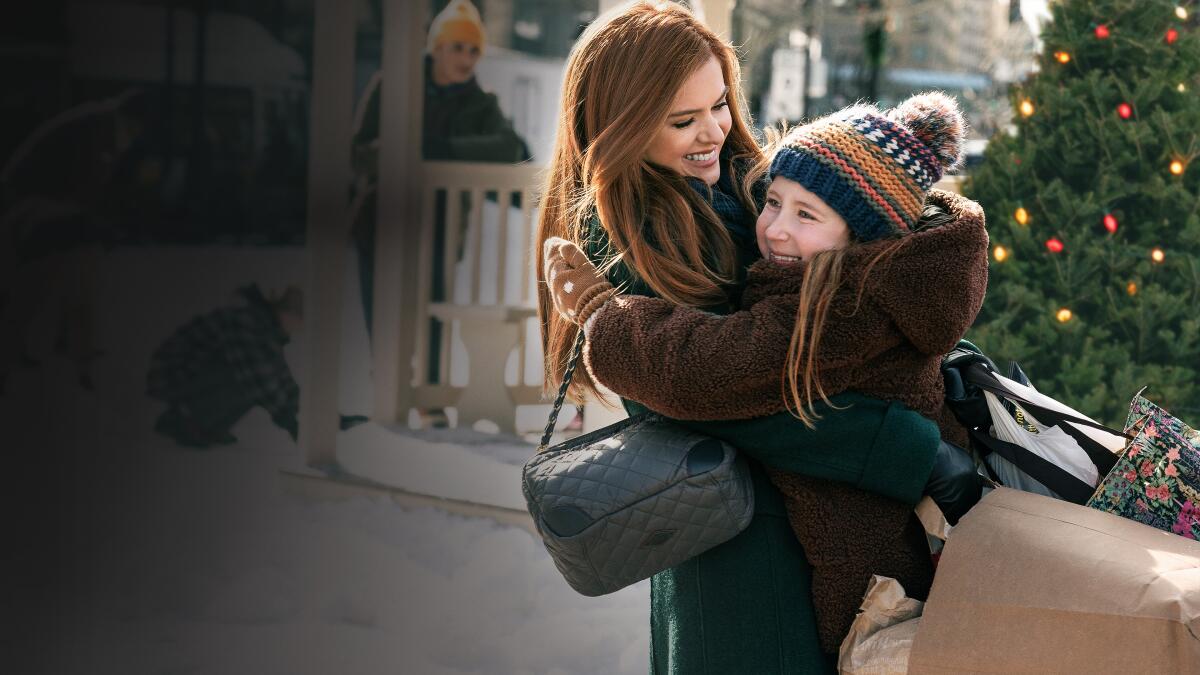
139, 556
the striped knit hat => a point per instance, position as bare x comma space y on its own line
875, 168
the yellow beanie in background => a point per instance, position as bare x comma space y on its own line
458, 22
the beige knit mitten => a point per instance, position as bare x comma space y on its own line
577, 288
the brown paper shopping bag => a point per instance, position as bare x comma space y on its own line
1029, 584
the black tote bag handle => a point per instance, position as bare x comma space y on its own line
1040, 469
1103, 459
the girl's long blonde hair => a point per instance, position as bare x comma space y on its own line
621, 79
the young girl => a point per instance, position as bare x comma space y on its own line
868, 278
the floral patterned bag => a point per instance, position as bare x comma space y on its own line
1157, 480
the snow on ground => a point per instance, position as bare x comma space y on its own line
138, 556
214, 570
436, 467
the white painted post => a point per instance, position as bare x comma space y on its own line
397, 253
329, 175
718, 16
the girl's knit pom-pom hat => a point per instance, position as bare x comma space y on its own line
874, 168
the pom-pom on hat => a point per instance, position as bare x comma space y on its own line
874, 168
458, 22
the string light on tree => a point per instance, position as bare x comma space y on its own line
1000, 253
1111, 139
1110, 223
1021, 215
1181, 12
1026, 108
1062, 57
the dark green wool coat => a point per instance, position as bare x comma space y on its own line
746, 606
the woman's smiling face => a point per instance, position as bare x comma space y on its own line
690, 140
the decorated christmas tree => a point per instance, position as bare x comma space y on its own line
1093, 208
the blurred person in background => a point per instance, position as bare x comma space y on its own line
212, 370
461, 122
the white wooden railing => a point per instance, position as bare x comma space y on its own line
476, 280
402, 309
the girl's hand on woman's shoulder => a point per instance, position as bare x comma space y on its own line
576, 286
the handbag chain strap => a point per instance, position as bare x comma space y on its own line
562, 390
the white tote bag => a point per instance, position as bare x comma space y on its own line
1059, 452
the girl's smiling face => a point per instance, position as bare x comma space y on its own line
690, 140
795, 224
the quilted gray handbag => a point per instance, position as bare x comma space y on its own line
622, 503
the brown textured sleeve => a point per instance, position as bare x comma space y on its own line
689, 364
693, 365
934, 293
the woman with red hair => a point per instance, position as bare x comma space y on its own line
646, 177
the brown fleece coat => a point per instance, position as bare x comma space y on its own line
916, 304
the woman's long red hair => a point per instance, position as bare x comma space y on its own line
621, 79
